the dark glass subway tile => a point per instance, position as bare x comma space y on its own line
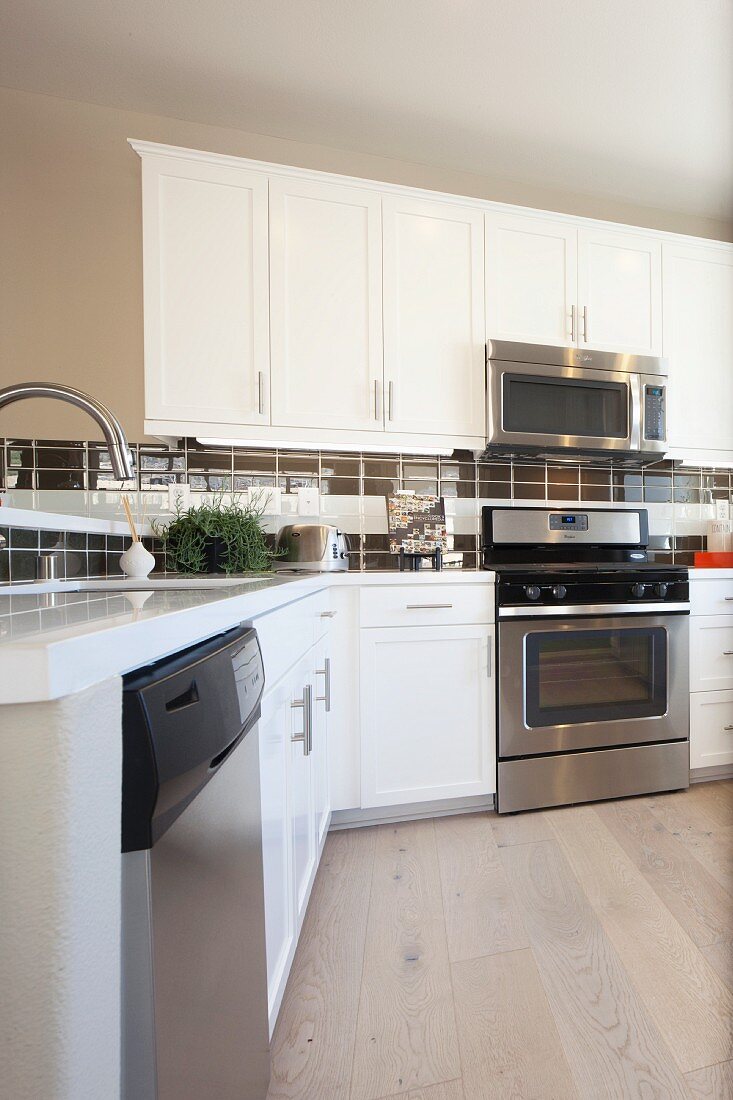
291, 463
61, 458
529, 491
424, 469
22, 565
501, 490
464, 490
340, 486
526, 473
494, 471
340, 466
50, 540
255, 462
382, 467
61, 479
595, 476
24, 538
379, 487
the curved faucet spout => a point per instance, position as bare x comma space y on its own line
110, 425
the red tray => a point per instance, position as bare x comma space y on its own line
710, 559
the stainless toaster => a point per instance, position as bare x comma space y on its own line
312, 546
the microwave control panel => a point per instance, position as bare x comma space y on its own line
654, 413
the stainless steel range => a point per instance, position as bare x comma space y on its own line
592, 643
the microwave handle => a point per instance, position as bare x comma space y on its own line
636, 410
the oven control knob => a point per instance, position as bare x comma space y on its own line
638, 590
559, 591
661, 589
532, 592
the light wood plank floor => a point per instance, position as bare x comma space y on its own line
575, 954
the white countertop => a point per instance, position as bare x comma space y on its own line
711, 574
55, 641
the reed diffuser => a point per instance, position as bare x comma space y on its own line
136, 561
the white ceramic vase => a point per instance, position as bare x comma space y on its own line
136, 560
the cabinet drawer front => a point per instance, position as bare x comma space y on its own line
711, 729
711, 597
711, 653
288, 632
427, 604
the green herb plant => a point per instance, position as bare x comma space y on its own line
237, 526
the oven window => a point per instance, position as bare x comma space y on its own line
575, 676
564, 406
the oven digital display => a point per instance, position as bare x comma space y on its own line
561, 521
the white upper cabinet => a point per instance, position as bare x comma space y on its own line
698, 341
619, 292
325, 305
434, 332
531, 278
207, 354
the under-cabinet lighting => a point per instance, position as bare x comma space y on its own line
337, 448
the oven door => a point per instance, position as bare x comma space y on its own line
559, 406
588, 683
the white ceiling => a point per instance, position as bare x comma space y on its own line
627, 98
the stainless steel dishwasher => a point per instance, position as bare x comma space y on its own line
194, 979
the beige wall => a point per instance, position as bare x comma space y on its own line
70, 242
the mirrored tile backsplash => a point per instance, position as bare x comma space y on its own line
73, 477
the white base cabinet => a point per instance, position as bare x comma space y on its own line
711, 729
294, 786
427, 713
711, 670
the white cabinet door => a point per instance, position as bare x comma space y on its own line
711, 653
274, 729
326, 305
302, 810
531, 279
698, 341
427, 713
619, 292
206, 297
711, 729
322, 703
434, 330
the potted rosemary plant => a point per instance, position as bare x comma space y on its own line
223, 536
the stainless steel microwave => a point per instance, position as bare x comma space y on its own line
553, 401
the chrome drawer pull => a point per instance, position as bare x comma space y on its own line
326, 673
420, 606
328, 614
728, 599
728, 652
728, 727
306, 737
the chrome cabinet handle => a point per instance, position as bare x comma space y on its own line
376, 400
420, 606
260, 391
728, 599
328, 614
572, 323
488, 657
728, 727
585, 324
306, 703
728, 652
326, 673
390, 394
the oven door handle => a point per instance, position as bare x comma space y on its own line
573, 610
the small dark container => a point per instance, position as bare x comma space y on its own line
216, 553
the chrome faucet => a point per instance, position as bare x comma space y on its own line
110, 425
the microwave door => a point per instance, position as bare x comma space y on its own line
563, 407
